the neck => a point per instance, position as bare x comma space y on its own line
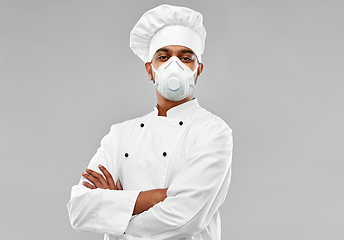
164, 104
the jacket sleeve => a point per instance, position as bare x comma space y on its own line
197, 191
102, 210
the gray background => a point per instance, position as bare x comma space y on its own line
273, 71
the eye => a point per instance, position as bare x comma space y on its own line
162, 57
186, 59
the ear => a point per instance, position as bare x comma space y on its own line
200, 69
148, 67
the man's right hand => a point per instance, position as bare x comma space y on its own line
148, 199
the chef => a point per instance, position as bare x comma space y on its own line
163, 175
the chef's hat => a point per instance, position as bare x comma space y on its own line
168, 25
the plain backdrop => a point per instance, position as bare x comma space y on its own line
273, 70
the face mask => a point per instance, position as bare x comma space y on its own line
174, 80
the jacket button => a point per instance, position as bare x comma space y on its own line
164, 154
180, 123
126, 155
142, 125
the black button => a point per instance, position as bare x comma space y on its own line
164, 154
126, 155
180, 123
142, 125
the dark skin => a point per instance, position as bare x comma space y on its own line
147, 199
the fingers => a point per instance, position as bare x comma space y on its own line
108, 177
88, 185
119, 185
96, 178
99, 181
93, 180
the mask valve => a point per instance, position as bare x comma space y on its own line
173, 84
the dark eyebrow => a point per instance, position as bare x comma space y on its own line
182, 50
186, 51
162, 50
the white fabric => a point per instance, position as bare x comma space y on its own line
158, 21
196, 171
176, 35
174, 80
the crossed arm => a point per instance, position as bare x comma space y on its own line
145, 199
193, 197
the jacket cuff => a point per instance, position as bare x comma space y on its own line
116, 207
136, 227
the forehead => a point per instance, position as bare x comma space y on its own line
174, 49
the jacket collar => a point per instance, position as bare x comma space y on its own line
181, 111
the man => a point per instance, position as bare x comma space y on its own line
163, 175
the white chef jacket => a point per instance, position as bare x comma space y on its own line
189, 152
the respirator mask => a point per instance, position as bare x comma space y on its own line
174, 80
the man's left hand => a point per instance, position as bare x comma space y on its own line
99, 181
